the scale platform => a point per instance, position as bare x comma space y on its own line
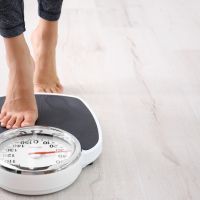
71, 114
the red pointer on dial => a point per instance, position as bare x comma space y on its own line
47, 152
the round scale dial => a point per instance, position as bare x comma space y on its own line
37, 149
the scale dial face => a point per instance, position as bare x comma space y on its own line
37, 150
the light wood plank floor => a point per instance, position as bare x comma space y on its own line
137, 63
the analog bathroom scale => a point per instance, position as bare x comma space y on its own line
49, 156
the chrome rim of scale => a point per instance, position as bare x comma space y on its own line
46, 158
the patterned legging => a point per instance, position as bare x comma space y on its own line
12, 15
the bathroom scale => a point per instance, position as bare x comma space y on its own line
48, 157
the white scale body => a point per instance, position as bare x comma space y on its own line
50, 156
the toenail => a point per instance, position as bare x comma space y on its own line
8, 126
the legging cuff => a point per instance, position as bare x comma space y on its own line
49, 15
12, 32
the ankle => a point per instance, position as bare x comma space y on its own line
17, 88
16, 48
21, 68
46, 33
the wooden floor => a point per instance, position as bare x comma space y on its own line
137, 63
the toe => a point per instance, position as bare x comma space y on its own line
11, 122
53, 90
38, 89
48, 90
18, 121
29, 120
5, 120
3, 113
59, 89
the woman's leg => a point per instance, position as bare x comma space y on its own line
19, 108
44, 41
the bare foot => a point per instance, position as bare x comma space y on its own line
19, 108
44, 41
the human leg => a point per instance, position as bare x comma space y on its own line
19, 108
44, 42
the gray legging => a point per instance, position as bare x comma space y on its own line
12, 15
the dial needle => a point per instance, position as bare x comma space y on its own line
47, 152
